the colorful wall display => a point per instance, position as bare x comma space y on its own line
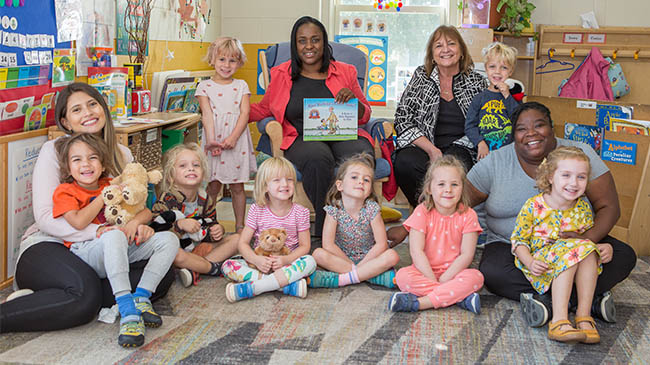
376, 48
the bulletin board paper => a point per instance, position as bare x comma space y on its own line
21, 158
34, 18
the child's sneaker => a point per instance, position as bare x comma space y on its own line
323, 279
131, 332
237, 292
188, 277
535, 311
471, 303
149, 316
296, 289
403, 302
387, 279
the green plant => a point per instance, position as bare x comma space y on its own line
516, 16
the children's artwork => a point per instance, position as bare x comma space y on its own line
617, 151
376, 48
588, 134
175, 101
402, 79
326, 120
193, 17
191, 103
111, 78
476, 13
604, 112
630, 126
63, 68
35, 117
69, 20
98, 34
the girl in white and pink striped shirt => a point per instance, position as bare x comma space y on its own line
273, 208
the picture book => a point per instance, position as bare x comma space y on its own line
588, 134
326, 120
174, 101
604, 112
111, 78
191, 104
63, 67
630, 126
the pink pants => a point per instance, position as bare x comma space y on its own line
466, 282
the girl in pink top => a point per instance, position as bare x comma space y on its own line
225, 106
443, 231
273, 208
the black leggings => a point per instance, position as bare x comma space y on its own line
316, 161
503, 278
411, 164
67, 292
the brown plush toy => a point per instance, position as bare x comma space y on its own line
272, 243
127, 194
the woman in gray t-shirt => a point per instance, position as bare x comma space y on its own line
505, 179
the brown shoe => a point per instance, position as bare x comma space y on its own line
592, 333
571, 335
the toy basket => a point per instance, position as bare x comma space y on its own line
146, 147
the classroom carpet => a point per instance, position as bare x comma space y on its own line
351, 325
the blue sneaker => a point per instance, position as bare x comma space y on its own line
323, 279
237, 292
296, 289
387, 279
403, 302
472, 303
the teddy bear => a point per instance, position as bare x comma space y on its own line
127, 194
271, 243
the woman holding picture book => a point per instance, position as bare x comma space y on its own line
312, 72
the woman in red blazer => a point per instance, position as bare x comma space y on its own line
312, 72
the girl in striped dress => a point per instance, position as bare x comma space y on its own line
273, 208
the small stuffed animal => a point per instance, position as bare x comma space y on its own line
127, 194
272, 243
165, 221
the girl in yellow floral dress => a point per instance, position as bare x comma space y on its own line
546, 257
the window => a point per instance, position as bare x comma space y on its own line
408, 31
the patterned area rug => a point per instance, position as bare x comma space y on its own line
348, 325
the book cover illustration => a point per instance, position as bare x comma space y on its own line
63, 67
630, 126
588, 134
175, 101
191, 104
111, 78
326, 120
605, 112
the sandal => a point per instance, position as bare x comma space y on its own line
592, 333
569, 336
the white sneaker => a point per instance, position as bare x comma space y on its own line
187, 279
19, 293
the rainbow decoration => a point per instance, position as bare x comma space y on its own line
387, 5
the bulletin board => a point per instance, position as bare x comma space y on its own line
32, 95
34, 17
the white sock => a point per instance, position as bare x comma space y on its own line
266, 283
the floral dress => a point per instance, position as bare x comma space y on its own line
538, 227
354, 237
237, 164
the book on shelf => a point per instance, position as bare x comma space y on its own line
604, 112
589, 134
630, 126
174, 101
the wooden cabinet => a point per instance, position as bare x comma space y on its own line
526, 46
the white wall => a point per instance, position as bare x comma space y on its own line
263, 21
629, 13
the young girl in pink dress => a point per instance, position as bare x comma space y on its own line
443, 231
225, 106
